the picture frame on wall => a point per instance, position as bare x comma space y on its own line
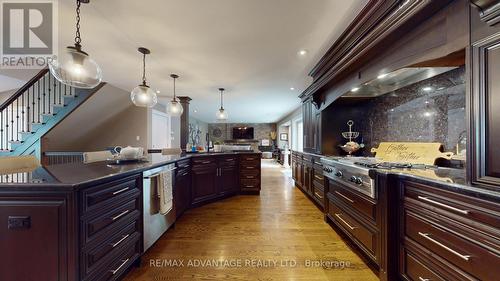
283, 136
265, 142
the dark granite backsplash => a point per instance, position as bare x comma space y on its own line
407, 114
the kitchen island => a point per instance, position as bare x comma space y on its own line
85, 221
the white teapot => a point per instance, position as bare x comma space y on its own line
129, 152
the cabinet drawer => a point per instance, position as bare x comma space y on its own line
416, 270
452, 204
93, 257
318, 177
99, 197
365, 238
439, 237
250, 175
250, 158
318, 193
183, 172
98, 228
360, 204
228, 161
201, 161
250, 166
115, 267
184, 164
250, 184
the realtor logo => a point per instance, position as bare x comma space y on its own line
28, 33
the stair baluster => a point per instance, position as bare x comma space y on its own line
28, 111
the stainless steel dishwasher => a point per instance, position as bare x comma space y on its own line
155, 223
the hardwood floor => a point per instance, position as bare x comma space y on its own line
279, 226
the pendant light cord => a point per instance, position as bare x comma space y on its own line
144, 69
174, 91
78, 38
221, 100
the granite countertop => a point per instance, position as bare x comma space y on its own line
73, 175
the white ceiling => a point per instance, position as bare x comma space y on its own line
247, 46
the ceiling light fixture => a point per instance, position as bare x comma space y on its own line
382, 76
302, 52
174, 108
355, 89
221, 114
292, 89
74, 67
142, 95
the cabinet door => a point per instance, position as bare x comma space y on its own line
485, 103
317, 131
182, 192
229, 179
204, 183
306, 124
33, 239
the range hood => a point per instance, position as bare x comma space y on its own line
395, 80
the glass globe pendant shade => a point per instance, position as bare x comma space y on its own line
75, 68
221, 114
143, 96
174, 108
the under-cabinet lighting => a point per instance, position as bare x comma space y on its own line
427, 89
355, 89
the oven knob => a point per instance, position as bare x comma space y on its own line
338, 174
352, 179
358, 181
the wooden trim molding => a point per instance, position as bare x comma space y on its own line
379, 23
490, 10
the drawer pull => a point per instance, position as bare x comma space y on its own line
345, 197
121, 190
120, 267
465, 212
346, 223
120, 215
250, 177
318, 195
250, 167
427, 236
318, 177
206, 162
423, 279
249, 186
120, 241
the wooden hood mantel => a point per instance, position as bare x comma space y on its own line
380, 23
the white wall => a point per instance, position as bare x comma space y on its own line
287, 124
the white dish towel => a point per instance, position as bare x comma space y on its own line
165, 193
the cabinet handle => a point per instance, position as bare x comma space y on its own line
121, 190
318, 177
120, 215
426, 199
120, 267
345, 197
206, 162
250, 167
318, 195
427, 236
250, 177
249, 186
346, 223
423, 279
120, 241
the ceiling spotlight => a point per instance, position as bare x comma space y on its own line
382, 76
355, 89
157, 91
195, 111
302, 52
427, 89
292, 89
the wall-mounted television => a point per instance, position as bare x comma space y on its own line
243, 133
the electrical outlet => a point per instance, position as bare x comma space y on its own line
19, 222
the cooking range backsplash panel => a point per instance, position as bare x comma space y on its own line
431, 110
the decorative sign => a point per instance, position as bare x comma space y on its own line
411, 152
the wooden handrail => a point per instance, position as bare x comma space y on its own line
24, 88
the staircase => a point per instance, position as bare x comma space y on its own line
33, 110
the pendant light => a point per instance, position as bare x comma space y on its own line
74, 67
174, 108
142, 95
221, 114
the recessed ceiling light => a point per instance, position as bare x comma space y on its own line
292, 88
302, 52
426, 102
427, 114
195, 111
157, 91
382, 76
355, 89
427, 89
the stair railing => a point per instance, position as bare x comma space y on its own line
29, 106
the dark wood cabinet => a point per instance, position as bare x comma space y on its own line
228, 175
250, 173
204, 180
484, 99
182, 187
311, 118
36, 239
446, 234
